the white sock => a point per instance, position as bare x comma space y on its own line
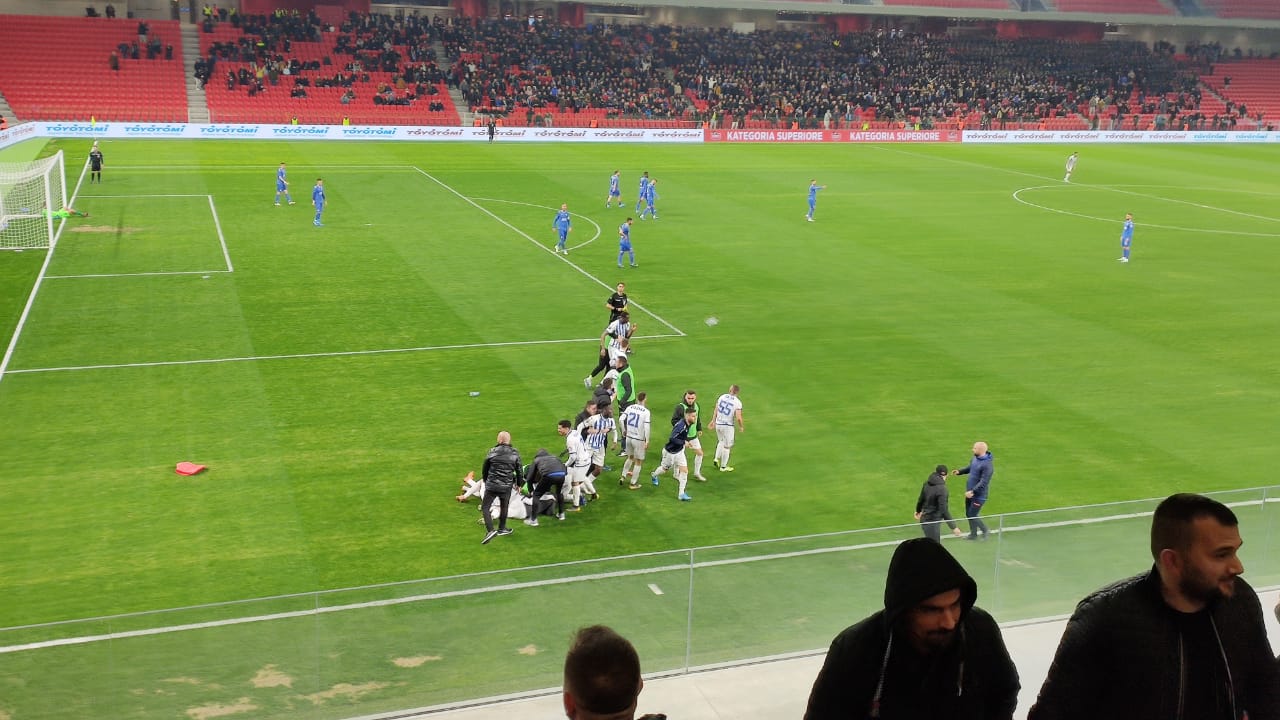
683, 480
577, 494
697, 465
635, 474
590, 485
724, 461
626, 468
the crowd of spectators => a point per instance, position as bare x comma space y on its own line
808, 78
802, 78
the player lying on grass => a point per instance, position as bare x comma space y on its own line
65, 213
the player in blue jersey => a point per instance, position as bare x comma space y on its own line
615, 188
644, 188
650, 195
814, 187
1126, 237
317, 200
673, 457
624, 243
282, 186
563, 225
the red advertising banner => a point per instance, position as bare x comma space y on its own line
776, 135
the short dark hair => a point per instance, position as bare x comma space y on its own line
566, 424
602, 671
1171, 524
641, 396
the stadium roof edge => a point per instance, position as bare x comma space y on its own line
837, 8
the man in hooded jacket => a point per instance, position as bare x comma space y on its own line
929, 654
546, 474
934, 506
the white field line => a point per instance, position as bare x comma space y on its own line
258, 168
158, 273
336, 353
681, 567
1109, 188
542, 247
1017, 195
544, 207
169, 195
222, 240
35, 287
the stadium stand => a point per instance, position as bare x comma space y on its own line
277, 68
58, 68
1251, 9
375, 69
1254, 89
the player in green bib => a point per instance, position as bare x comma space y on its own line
690, 402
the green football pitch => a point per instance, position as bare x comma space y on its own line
329, 376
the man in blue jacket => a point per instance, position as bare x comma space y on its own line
980, 470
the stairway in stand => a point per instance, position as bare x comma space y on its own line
197, 107
464, 111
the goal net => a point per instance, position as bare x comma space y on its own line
30, 193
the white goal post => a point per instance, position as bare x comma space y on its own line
30, 193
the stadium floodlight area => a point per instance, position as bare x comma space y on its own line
29, 194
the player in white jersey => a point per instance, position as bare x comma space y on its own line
635, 431
728, 419
1071, 165
598, 428
618, 336
578, 462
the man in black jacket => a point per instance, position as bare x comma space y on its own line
929, 654
1185, 640
546, 473
501, 470
934, 506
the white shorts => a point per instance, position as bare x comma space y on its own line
635, 449
694, 444
677, 460
725, 434
575, 476
597, 457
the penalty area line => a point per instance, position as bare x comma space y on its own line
303, 356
